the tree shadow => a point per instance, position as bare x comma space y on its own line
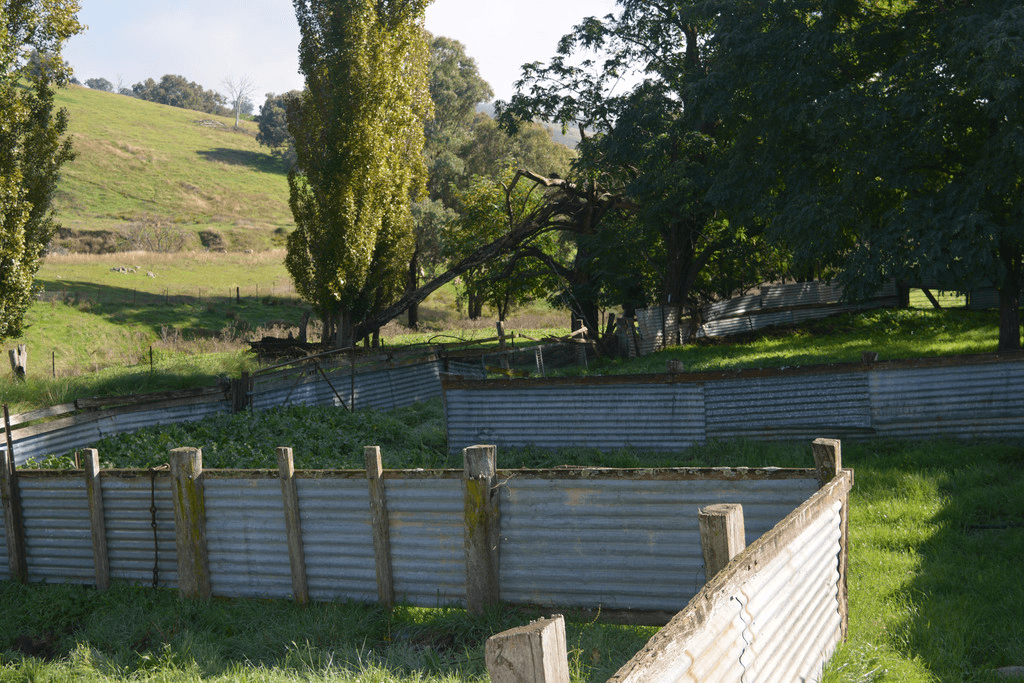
259, 161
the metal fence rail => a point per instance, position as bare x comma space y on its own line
961, 396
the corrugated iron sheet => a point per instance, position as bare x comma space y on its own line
626, 544
337, 539
5, 568
80, 435
975, 400
58, 538
552, 416
132, 549
246, 538
427, 540
378, 389
794, 406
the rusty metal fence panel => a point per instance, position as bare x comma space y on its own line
246, 537
58, 538
133, 549
515, 414
427, 540
336, 537
5, 569
627, 544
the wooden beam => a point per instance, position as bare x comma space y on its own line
97, 518
482, 528
293, 526
381, 526
722, 535
190, 522
535, 653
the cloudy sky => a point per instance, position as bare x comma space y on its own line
208, 41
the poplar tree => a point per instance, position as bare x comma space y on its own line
358, 130
33, 145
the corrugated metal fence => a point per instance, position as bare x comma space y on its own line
379, 385
962, 396
587, 538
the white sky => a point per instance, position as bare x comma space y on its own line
209, 41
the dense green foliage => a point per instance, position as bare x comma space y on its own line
886, 144
358, 130
33, 146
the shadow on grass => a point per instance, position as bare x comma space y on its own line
259, 161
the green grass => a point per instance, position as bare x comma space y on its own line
137, 158
893, 333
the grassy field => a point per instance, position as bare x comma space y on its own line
138, 159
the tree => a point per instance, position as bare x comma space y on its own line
33, 145
239, 91
358, 130
887, 143
177, 91
99, 84
648, 144
272, 125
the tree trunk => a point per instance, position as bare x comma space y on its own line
474, 305
1009, 298
412, 281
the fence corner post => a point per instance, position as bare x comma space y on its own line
97, 518
292, 523
482, 528
380, 526
190, 522
536, 653
722, 535
828, 458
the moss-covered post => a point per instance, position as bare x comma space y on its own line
190, 522
482, 526
97, 518
293, 525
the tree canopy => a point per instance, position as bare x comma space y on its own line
33, 145
177, 91
358, 131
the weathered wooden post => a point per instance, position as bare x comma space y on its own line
292, 523
190, 522
380, 525
502, 348
10, 499
828, 458
482, 528
722, 535
535, 653
97, 519
19, 361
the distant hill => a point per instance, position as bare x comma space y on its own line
139, 160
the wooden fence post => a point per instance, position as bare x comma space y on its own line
190, 522
722, 535
828, 458
10, 498
292, 523
482, 528
97, 519
380, 525
535, 653
19, 361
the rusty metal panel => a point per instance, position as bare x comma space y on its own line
788, 406
132, 549
427, 540
247, 543
662, 416
5, 565
337, 539
621, 544
58, 539
982, 400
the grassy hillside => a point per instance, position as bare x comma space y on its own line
138, 159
